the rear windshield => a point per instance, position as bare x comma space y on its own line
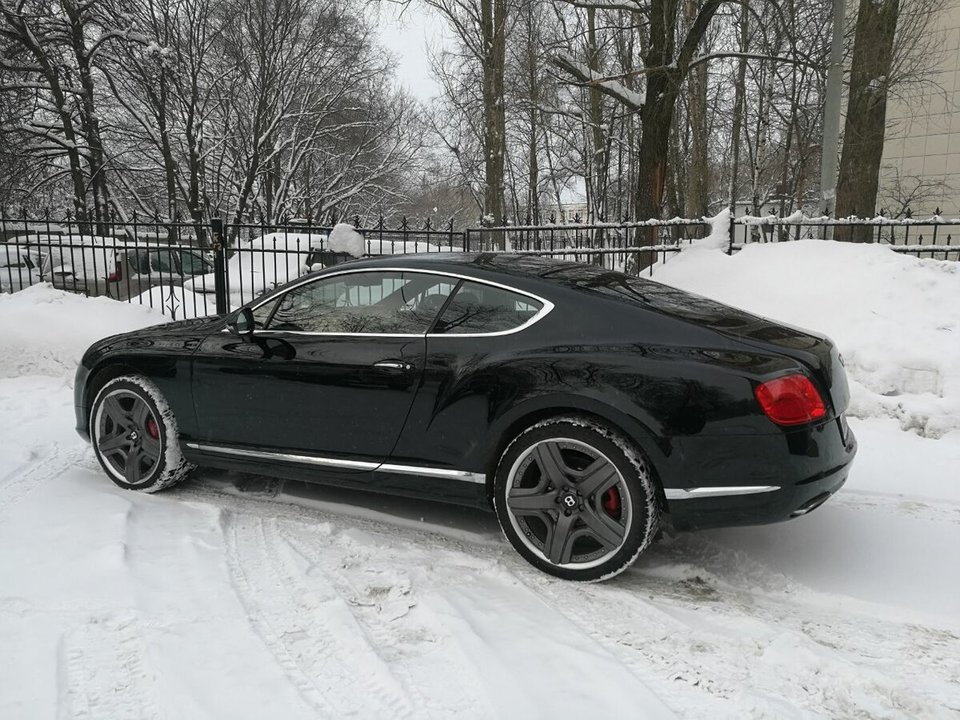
653, 296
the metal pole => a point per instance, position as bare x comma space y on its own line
831, 112
219, 267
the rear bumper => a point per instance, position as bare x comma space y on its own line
795, 483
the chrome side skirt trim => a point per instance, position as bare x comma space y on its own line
461, 475
705, 492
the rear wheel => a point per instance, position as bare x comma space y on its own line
575, 499
134, 435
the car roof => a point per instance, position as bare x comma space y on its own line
514, 264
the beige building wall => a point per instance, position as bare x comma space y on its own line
922, 143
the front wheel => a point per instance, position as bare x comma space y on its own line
575, 499
134, 435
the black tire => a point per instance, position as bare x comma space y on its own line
590, 514
135, 437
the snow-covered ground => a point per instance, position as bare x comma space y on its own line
244, 597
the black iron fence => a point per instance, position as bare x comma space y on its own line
626, 246
935, 237
188, 269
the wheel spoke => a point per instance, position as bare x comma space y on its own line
550, 461
559, 543
606, 530
120, 417
140, 413
597, 477
531, 501
149, 447
131, 470
113, 443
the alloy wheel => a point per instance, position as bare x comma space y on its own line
128, 436
568, 503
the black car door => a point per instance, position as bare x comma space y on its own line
331, 370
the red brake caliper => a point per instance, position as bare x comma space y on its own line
152, 429
611, 502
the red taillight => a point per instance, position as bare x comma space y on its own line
116, 275
790, 400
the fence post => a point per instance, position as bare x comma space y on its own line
221, 281
732, 229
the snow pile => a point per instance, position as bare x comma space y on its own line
376, 246
178, 303
719, 237
345, 239
46, 331
895, 318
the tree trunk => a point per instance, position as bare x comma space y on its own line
697, 168
866, 120
493, 20
738, 113
91, 121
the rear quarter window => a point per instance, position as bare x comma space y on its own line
481, 309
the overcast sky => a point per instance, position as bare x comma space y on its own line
406, 31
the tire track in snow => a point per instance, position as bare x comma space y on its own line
101, 672
383, 601
703, 631
20, 482
370, 678
335, 671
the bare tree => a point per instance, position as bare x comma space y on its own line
481, 28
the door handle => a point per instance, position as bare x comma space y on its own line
396, 365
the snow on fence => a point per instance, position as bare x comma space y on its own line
188, 269
933, 236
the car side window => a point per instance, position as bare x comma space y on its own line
193, 264
162, 261
262, 313
479, 308
139, 261
362, 302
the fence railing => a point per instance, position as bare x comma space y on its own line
935, 237
625, 246
188, 269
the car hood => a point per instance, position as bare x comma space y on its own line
179, 337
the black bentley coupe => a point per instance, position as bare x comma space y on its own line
585, 406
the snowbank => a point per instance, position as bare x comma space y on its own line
178, 303
895, 318
46, 331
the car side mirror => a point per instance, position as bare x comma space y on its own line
242, 324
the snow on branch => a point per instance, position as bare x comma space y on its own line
625, 5
608, 86
754, 56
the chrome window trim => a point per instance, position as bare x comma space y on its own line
545, 310
460, 475
707, 492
